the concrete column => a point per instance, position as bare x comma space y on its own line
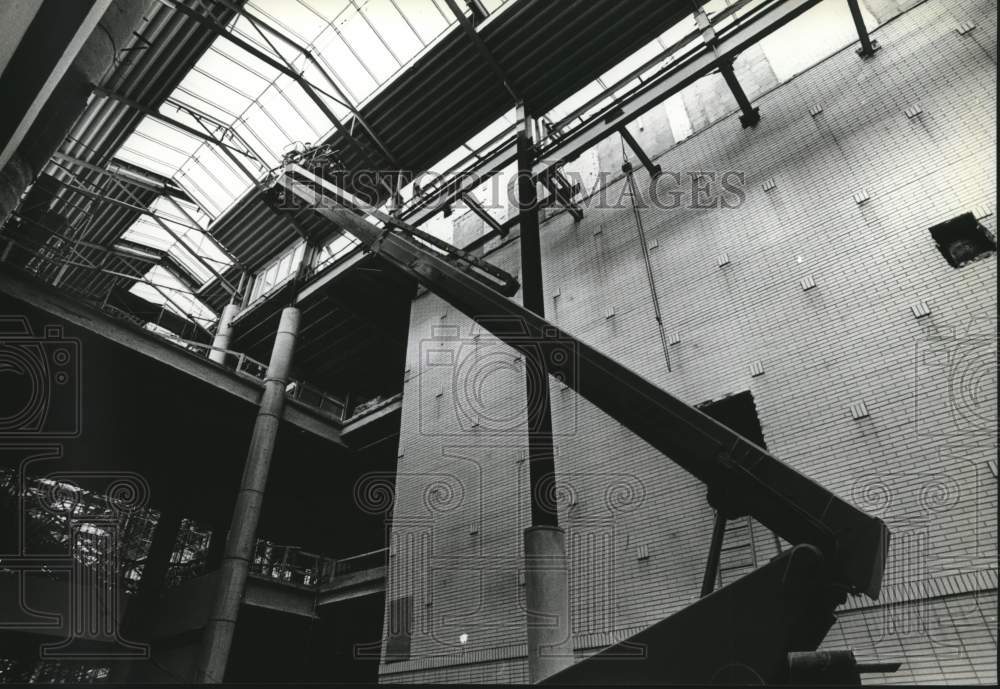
550, 633
223, 333
232, 579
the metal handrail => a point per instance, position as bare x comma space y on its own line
358, 563
245, 365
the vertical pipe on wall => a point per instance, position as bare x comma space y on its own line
644, 246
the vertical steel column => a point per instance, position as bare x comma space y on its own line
540, 452
550, 637
232, 578
868, 46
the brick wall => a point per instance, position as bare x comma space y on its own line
920, 459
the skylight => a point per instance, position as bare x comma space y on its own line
358, 46
181, 235
160, 286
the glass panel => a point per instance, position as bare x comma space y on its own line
292, 16
215, 90
426, 17
404, 42
291, 121
368, 47
170, 292
347, 66
242, 72
192, 244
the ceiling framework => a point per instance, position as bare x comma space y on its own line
213, 94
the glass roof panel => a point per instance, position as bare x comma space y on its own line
370, 47
359, 45
241, 71
266, 130
143, 157
214, 89
393, 26
170, 292
346, 65
293, 17
426, 16
281, 109
186, 222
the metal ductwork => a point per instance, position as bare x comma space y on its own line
88, 56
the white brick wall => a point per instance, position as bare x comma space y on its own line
919, 460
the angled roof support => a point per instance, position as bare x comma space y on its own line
653, 169
476, 208
303, 83
751, 115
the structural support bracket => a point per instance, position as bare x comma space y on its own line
651, 167
751, 115
563, 191
868, 46
483, 215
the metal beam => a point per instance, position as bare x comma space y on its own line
470, 30
562, 193
751, 115
303, 83
307, 53
171, 122
474, 206
731, 41
653, 169
868, 46
541, 454
714, 553
126, 174
137, 207
479, 11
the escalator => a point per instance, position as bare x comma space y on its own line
745, 631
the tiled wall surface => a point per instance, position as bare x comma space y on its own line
638, 526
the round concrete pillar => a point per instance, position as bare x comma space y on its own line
223, 334
546, 581
217, 639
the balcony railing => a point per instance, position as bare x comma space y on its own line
331, 406
291, 565
360, 563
